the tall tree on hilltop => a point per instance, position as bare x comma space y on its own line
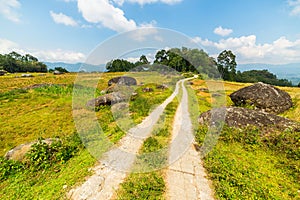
227, 65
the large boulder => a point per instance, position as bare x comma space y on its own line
263, 97
122, 80
107, 99
243, 117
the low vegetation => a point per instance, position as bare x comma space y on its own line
249, 164
29, 113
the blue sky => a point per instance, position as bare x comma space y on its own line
257, 31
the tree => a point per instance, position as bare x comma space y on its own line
161, 57
227, 65
142, 61
61, 69
119, 65
253, 76
15, 62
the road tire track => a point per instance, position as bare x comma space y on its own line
185, 176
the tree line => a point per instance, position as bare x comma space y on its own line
181, 60
15, 62
198, 61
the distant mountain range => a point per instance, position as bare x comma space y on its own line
285, 71
76, 67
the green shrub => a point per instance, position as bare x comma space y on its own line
142, 186
9, 168
151, 144
40, 156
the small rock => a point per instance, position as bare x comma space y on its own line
122, 80
216, 94
56, 72
203, 90
26, 75
2, 72
162, 86
147, 89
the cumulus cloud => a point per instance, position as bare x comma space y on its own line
101, 11
222, 31
143, 2
280, 51
295, 6
57, 55
8, 9
61, 18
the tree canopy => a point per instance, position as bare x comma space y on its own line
15, 62
227, 65
264, 76
197, 61
181, 60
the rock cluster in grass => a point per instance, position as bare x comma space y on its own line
118, 91
162, 87
122, 80
107, 99
266, 101
264, 97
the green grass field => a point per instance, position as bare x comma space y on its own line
243, 164
29, 114
248, 165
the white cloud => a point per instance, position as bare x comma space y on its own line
295, 5
57, 55
101, 11
222, 31
7, 46
61, 18
280, 51
143, 2
145, 30
60, 55
8, 8
132, 59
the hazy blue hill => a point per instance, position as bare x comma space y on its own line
76, 67
286, 71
